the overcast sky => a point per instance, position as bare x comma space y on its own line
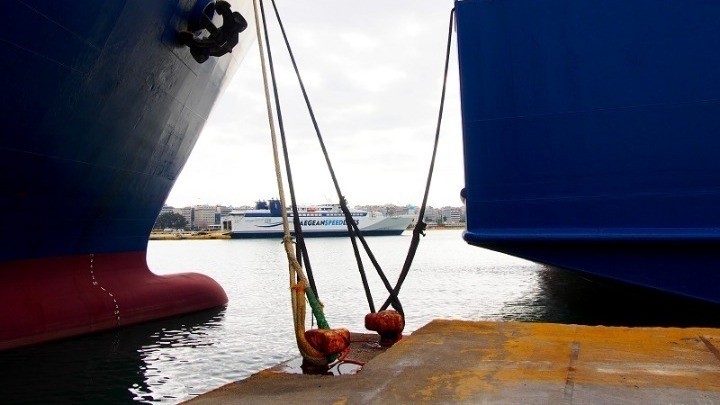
373, 71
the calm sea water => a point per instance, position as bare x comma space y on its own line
175, 359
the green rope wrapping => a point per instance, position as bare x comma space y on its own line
317, 309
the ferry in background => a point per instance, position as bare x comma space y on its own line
102, 103
265, 221
592, 136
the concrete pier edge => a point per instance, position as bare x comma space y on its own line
449, 361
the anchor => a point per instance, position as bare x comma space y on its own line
221, 39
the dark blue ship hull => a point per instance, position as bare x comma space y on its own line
592, 136
101, 107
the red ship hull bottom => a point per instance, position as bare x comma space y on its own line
54, 298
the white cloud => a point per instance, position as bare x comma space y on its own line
359, 41
373, 71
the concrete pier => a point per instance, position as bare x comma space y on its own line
498, 362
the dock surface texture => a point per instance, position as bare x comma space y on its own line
511, 362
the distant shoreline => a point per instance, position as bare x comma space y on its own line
190, 236
216, 235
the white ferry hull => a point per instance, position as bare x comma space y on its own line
318, 226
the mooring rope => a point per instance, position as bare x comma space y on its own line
298, 281
420, 225
352, 227
301, 251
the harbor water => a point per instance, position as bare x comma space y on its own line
176, 359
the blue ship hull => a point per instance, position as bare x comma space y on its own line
591, 136
101, 107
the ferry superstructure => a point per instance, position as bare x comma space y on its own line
265, 221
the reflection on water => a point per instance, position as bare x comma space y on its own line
107, 367
566, 297
176, 359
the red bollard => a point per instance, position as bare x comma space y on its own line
388, 324
328, 341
